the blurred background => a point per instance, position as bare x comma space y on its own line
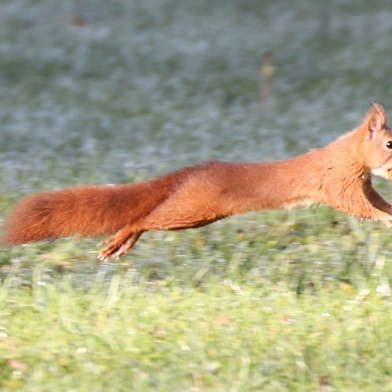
93, 91
99, 92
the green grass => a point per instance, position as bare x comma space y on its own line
120, 91
218, 335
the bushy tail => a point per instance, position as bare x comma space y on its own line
86, 210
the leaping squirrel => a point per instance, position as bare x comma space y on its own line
338, 174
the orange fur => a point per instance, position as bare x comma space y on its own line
338, 174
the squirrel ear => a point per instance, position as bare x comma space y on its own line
375, 120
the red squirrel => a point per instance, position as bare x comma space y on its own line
338, 174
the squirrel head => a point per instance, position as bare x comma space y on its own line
376, 142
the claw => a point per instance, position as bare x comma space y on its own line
119, 245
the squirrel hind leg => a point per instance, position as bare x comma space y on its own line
122, 241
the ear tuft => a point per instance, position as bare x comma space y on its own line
376, 118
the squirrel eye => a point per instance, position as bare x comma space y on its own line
389, 144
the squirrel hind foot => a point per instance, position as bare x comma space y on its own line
119, 244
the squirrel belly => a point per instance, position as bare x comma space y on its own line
338, 174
